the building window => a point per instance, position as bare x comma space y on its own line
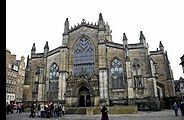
137, 75
117, 74
84, 57
53, 82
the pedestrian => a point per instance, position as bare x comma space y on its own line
182, 108
42, 110
175, 108
33, 107
8, 108
63, 110
18, 108
104, 112
38, 108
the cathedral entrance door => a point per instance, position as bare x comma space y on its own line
84, 97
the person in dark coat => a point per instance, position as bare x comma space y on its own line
8, 108
33, 108
175, 108
182, 108
104, 112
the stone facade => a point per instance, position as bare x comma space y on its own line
15, 74
89, 69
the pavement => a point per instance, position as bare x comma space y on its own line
159, 115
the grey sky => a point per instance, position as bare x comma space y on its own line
38, 21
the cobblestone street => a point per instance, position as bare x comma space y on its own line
162, 115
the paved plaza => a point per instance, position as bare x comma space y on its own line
161, 115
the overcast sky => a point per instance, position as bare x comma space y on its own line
38, 21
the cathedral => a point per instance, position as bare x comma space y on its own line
89, 69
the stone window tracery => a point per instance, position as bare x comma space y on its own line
137, 75
117, 73
53, 77
53, 82
84, 57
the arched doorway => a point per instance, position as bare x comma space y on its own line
84, 97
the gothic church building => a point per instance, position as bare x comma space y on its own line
89, 69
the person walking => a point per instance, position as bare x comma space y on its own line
104, 112
63, 110
39, 112
42, 111
33, 107
175, 108
182, 108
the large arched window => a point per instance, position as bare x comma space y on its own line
117, 73
53, 81
137, 75
84, 57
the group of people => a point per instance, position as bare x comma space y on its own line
177, 106
11, 107
47, 110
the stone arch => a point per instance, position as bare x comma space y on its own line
75, 89
80, 37
160, 90
84, 56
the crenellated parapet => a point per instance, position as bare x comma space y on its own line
83, 23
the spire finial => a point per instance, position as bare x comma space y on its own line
124, 37
34, 47
46, 45
66, 27
100, 16
161, 45
141, 36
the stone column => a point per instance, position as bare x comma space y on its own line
130, 83
62, 84
153, 73
103, 81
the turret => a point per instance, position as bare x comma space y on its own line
125, 43
125, 39
66, 26
161, 47
101, 29
108, 32
142, 38
65, 34
33, 50
22, 58
27, 65
101, 22
46, 49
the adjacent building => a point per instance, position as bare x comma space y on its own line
179, 88
89, 68
15, 74
182, 62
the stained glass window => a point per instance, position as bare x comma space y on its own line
84, 57
53, 77
117, 73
